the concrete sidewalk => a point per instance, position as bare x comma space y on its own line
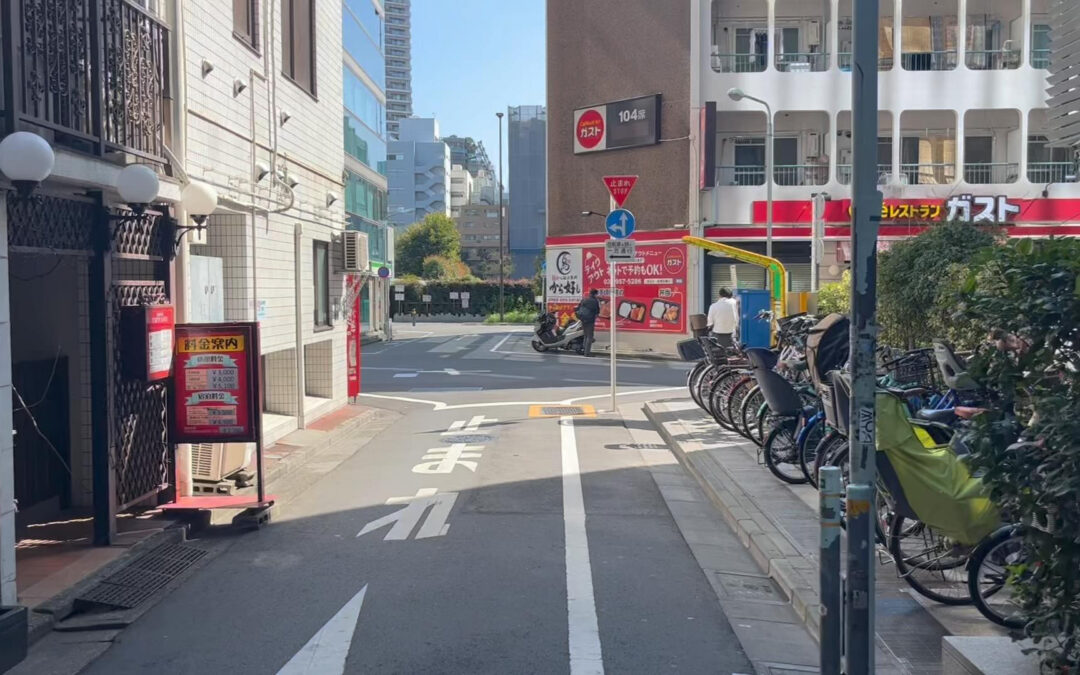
778, 524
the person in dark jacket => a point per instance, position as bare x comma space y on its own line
587, 311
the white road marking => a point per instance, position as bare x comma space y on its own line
450, 371
584, 631
326, 651
414, 374
443, 460
440, 405
405, 520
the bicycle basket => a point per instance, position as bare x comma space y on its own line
914, 369
690, 350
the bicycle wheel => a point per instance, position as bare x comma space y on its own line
810, 437
763, 427
811, 460
693, 378
718, 397
739, 394
748, 414
930, 563
782, 452
992, 576
734, 404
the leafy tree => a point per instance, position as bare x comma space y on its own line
444, 268
917, 273
435, 235
1027, 295
835, 297
488, 267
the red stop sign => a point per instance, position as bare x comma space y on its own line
590, 129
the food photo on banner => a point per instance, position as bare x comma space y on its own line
650, 295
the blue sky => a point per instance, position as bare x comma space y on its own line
472, 58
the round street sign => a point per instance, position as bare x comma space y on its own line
620, 224
384, 272
590, 129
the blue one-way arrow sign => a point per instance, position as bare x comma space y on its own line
620, 224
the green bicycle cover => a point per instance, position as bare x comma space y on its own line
937, 484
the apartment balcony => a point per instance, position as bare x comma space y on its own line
844, 173
799, 155
808, 62
1052, 172
91, 75
991, 173
1047, 164
738, 63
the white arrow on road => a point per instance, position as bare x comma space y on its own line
326, 651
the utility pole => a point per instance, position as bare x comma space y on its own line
859, 589
502, 258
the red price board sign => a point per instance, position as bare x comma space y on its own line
216, 368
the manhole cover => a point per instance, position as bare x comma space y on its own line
561, 410
137, 581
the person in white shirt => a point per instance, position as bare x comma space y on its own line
723, 320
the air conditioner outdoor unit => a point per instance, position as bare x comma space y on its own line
354, 251
212, 462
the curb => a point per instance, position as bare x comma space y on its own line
774, 553
646, 356
62, 605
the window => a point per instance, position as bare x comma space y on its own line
298, 42
246, 22
322, 284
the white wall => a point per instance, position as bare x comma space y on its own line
224, 140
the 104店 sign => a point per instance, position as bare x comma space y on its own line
620, 124
216, 398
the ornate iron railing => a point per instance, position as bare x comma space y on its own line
92, 75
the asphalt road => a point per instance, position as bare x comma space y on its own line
470, 537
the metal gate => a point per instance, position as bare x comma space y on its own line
130, 265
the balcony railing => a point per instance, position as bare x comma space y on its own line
795, 174
943, 60
845, 60
996, 59
801, 174
738, 63
844, 172
740, 175
1052, 172
815, 62
928, 174
991, 173
91, 74
1040, 58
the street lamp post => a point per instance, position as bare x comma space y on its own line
736, 94
502, 259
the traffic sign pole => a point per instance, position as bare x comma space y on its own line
612, 317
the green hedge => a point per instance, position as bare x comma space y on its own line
483, 297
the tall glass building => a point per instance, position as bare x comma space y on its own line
364, 97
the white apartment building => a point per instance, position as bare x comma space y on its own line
461, 189
263, 124
961, 123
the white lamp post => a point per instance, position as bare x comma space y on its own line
199, 200
26, 159
736, 94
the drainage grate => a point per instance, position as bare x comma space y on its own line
138, 581
562, 410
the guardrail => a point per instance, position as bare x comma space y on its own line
739, 63
807, 62
929, 174
1052, 172
936, 60
992, 59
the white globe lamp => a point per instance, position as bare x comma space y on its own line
138, 186
26, 159
199, 200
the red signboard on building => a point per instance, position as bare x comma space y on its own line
217, 397
352, 339
590, 129
976, 209
651, 295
